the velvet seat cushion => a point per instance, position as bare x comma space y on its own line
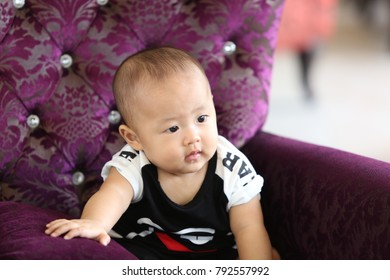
22, 237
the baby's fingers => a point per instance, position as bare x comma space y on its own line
55, 223
74, 232
59, 227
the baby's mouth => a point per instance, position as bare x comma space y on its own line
194, 155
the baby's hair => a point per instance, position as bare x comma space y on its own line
155, 64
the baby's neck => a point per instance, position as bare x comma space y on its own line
181, 189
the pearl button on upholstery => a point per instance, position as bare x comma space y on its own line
78, 178
66, 60
33, 121
114, 117
18, 4
271, 2
229, 48
102, 2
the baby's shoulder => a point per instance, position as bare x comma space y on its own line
231, 160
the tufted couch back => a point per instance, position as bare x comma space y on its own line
58, 118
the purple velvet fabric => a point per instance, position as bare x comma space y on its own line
322, 203
73, 101
22, 237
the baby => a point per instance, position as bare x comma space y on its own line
176, 190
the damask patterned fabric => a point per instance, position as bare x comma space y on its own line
57, 59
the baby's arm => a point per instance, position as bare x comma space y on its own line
246, 221
100, 213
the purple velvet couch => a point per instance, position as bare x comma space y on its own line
59, 124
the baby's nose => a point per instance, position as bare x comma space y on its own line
192, 136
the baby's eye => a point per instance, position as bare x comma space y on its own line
173, 129
202, 118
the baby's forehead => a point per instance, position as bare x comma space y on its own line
148, 83
192, 71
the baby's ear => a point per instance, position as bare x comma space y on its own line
130, 137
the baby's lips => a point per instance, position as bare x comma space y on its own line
193, 156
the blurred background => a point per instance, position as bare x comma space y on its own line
331, 80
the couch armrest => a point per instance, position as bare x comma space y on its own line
322, 203
22, 237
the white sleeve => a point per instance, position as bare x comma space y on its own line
241, 182
128, 163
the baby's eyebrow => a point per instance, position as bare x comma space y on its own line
200, 108
168, 119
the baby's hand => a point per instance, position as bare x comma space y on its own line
78, 228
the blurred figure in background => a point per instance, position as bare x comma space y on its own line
377, 15
306, 24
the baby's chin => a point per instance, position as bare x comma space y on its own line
190, 168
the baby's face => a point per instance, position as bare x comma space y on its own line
175, 123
